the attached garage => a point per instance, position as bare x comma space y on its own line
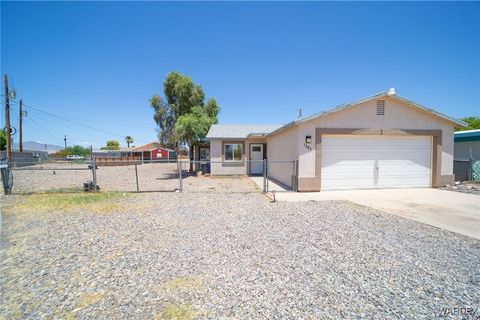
381, 141
375, 161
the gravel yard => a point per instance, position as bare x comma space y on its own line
231, 255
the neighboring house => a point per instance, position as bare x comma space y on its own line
467, 145
26, 157
154, 151
467, 155
149, 151
382, 141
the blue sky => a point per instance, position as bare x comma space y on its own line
100, 62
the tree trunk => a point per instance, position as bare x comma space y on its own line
191, 156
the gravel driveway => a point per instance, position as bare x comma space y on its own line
233, 255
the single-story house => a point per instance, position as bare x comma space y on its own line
154, 151
381, 141
26, 156
149, 151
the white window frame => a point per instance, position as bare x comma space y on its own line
233, 150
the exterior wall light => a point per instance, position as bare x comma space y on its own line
308, 139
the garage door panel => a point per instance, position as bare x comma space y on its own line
355, 184
353, 162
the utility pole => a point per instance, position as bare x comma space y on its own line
7, 119
65, 139
20, 141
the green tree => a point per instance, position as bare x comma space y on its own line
111, 145
78, 150
473, 123
3, 140
128, 140
183, 117
165, 119
193, 127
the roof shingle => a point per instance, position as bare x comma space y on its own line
239, 131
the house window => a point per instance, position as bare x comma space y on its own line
380, 107
233, 151
204, 153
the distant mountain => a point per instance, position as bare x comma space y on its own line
37, 146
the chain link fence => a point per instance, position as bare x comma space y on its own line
150, 176
466, 170
48, 176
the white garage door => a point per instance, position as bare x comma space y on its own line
367, 161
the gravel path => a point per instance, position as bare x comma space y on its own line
233, 255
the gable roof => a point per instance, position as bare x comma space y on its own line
387, 93
150, 147
239, 131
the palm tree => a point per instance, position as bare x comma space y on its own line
128, 140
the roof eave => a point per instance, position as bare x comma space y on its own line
332, 110
288, 125
458, 123
223, 138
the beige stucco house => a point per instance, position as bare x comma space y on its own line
382, 141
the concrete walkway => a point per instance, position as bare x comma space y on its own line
454, 211
272, 186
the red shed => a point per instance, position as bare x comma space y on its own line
154, 151
160, 153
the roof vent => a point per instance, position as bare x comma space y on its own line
380, 107
391, 91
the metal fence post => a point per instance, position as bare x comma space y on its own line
470, 169
94, 173
136, 177
5, 172
180, 176
295, 175
265, 175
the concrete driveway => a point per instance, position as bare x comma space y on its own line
454, 211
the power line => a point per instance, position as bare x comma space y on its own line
39, 111
57, 122
78, 123
44, 130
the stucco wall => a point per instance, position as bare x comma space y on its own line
221, 167
218, 166
282, 147
398, 115
462, 150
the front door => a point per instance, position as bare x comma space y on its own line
256, 157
